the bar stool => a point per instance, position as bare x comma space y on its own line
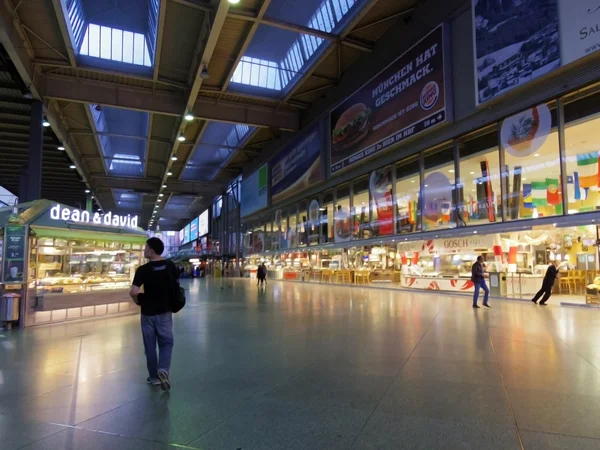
327, 276
397, 277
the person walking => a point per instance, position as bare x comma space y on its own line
547, 283
478, 278
261, 274
158, 278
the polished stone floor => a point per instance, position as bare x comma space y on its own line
304, 366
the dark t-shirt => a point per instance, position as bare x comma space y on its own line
157, 279
550, 274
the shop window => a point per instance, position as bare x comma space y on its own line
382, 204
582, 152
293, 229
342, 219
439, 190
532, 164
326, 213
275, 236
303, 224
478, 193
360, 210
408, 186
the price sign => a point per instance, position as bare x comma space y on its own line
14, 254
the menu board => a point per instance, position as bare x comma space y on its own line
194, 229
203, 224
402, 101
14, 254
186, 234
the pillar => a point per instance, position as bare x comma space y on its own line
33, 176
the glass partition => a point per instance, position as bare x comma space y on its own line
408, 203
327, 218
361, 228
478, 193
582, 145
382, 215
532, 164
439, 190
342, 219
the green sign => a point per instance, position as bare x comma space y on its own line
14, 254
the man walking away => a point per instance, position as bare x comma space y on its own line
549, 278
477, 277
261, 274
158, 279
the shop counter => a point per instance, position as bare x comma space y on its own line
518, 285
50, 302
457, 284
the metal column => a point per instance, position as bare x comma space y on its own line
34, 167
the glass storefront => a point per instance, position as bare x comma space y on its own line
515, 171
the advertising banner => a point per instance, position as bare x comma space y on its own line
14, 254
203, 224
405, 99
515, 41
254, 192
186, 234
298, 166
579, 28
194, 229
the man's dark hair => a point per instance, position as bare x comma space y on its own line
156, 245
480, 259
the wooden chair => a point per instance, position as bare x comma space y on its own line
565, 282
579, 281
397, 277
362, 278
327, 276
343, 277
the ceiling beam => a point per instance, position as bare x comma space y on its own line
21, 54
256, 19
159, 37
362, 13
80, 90
259, 16
151, 185
65, 30
195, 4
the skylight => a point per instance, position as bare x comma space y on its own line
115, 45
329, 16
126, 160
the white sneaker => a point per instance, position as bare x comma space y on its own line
163, 376
153, 381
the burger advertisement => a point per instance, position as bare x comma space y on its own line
405, 99
298, 166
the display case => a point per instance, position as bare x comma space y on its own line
74, 266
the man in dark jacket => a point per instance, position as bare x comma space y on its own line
549, 278
478, 279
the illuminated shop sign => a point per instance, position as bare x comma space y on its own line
59, 212
450, 245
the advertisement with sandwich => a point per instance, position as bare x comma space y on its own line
405, 99
298, 166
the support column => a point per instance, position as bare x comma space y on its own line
34, 168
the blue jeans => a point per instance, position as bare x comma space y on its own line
481, 285
158, 329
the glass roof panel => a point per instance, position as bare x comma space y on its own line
122, 135
218, 143
274, 61
330, 16
127, 199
